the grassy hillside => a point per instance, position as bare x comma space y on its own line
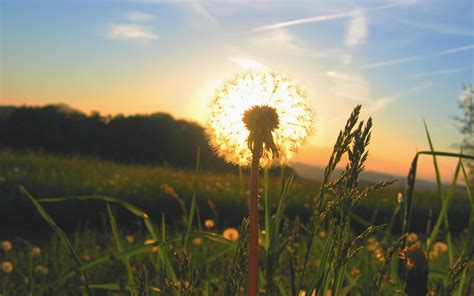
159, 190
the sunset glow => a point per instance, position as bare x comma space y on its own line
227, 132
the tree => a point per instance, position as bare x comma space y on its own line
466, 123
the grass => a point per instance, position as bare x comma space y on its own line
334, 245
220, 196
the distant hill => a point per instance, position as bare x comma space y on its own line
6, 110
150, 139
316, 173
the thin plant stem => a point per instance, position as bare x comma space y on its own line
252, 279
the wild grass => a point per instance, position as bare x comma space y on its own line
318, 253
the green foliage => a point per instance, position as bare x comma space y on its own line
321, 253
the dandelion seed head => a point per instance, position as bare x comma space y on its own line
291, 126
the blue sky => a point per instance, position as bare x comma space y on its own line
405, 61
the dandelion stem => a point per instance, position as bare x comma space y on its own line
252, 284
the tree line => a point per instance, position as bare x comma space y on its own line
156, 139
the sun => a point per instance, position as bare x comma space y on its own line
258, 87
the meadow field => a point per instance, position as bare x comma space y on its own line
78, 225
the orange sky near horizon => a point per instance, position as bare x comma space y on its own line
385, 155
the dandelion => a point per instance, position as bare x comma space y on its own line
379, 254
433, 254
209, 224
86, 258
355, 271
284, 111
197, 241
372, 240
6, 246
149, 242
41, 270
35, 252
258, 119
412, 237
372, 246
7, 266
130, 239
231, 234
440, 247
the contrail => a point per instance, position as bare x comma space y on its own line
415, 58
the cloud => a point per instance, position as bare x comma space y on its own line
333, 16
415, 58
130, 32
348, 85
138, 16
384, 102
247, 63
283, 40
442, 72
199, 8
356, 29
315, 19
439, 28
380, 104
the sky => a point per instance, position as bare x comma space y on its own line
404, 61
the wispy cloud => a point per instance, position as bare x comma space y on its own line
199, 9
139, 16
439, 28
130, 32
392, 62
384, 102
356, 29
441, 72
347, 85
332, 16
314, 19
281, 39
380, 104
247, 63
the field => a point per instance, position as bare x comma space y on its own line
145, 230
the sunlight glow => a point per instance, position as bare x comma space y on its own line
226, 130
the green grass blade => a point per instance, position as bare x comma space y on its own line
62, 235
112, 258
130, 207
323, 270
266, 207
444, 207
119, 245
442, 197
192, 210
281, 205
435, 163
470, 235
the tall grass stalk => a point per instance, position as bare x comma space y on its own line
62, 235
